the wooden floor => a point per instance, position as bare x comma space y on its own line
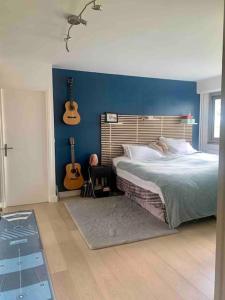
179, 266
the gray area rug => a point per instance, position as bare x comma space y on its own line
116, 220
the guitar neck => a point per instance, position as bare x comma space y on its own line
70, 96
70, 86
72, 155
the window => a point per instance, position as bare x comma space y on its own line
214, 118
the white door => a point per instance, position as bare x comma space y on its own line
23, 115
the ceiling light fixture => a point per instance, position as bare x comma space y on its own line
77, 20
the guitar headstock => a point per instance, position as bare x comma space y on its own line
72, 141
70, 82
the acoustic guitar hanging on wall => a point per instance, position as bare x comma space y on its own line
73, 179
71, 115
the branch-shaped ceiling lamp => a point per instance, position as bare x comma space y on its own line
77, 20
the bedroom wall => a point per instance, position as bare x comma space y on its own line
97, 93
205, 88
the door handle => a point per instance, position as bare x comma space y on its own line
6, 148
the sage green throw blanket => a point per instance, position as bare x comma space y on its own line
188, 184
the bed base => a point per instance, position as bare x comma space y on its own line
148, 200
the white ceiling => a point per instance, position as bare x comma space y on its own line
176, 39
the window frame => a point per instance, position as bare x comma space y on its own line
211, 118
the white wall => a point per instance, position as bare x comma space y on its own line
30, 75
209, 85
204, 88
20, 74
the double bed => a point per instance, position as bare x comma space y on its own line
174, 188
175, 183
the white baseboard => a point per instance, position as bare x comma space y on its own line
53, 199
69, 194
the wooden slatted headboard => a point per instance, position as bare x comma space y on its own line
136, 129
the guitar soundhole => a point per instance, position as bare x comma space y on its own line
75, 172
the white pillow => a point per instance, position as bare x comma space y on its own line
178, 146
141, 152
126, 149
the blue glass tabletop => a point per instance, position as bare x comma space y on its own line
23, 271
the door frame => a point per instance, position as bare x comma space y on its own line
50, 135
50, 142
2, 163
220, 230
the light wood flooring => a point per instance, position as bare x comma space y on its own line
179, 266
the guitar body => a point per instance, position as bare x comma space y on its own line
73, 179
71, 115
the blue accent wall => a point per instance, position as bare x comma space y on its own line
97, 93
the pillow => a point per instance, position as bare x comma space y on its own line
141, 153
185, 148
156, 146
178, 146
159, 146
163, 146
126, 149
